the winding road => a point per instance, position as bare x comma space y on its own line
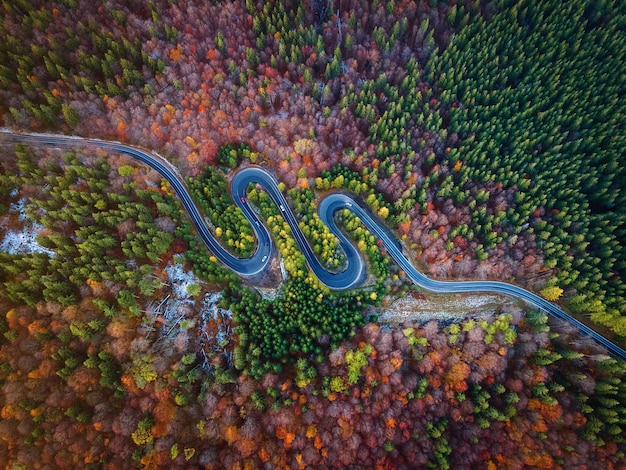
354, 273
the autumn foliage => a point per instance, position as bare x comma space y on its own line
104, 363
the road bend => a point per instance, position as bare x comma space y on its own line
354, 272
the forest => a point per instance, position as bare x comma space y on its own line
487, 134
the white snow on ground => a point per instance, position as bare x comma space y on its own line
178, 305
24, 241
269, 293
174, 306
19, 207
209, 310
180, 280
441, 307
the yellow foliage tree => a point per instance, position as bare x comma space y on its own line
551, 293
303, 146
192, 142
142, 434
311, 431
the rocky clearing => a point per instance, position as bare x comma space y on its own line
443, 307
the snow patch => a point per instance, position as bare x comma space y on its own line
441, 307
180, 280
24, 242
19, 207
269, 293
209, 309
175, 306
180, 311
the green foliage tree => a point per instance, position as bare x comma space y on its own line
232, 228
511, 88
304, 321
230, 155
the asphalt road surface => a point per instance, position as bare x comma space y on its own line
354, 272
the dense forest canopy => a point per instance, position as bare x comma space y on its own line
538, 101
489, 135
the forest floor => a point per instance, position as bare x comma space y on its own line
23, 242
20, 233
442, 307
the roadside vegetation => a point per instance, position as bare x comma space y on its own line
210, 190
489, 135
